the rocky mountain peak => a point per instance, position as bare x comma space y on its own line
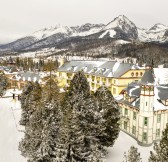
158, 27
121, 22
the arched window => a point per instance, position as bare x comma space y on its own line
132, 74
141, 73
136, 73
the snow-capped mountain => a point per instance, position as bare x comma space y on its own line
82, 30
120, 28
46, 32
51, 36
86, 29
19, 44
157, 33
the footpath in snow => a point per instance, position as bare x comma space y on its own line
10, 130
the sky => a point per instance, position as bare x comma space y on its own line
19, 18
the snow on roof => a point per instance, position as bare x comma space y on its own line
157, 104
161, 75
161, 93
119, 97
99, 68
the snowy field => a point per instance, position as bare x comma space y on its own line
11, 133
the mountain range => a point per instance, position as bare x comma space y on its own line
121, 29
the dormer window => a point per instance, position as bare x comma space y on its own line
72, 68
102, 70
84, 68
94, 69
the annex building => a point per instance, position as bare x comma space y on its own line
114, 75
144, 108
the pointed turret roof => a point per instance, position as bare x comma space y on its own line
147, 78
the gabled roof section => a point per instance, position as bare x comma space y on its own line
148, 78
121, 69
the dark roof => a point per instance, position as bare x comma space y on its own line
133, 90
147, 78
163, 92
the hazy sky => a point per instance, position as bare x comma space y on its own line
22, 17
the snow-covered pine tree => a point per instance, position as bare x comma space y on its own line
77, 136
132, 156
33, 101
50, 90
161, 149
24, 102
3, 83
39, 142
109, 111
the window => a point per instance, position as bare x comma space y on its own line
114, 90
141, 73
145, 121
144, 136
93, 78
126, 112
134, 115
146, 103
158, 118
103, 80
136, 73
125, 125
132, 74
133, 130
114, 81
94, 69
157, 133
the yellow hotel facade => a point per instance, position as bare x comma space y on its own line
114, 75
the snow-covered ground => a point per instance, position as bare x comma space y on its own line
11, 133
123, 144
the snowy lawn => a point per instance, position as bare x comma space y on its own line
11, 133
123, 144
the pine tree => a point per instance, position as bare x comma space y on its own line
132, 155
161, 149
51, 90
39, 142
77, 136
109, 111
41, 132
25, 102
3, 83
